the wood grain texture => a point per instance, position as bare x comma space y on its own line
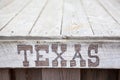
99, 74
75, 21
49, 23
101, 21
94, 54
8, 13
4, 3
60, 18
28, 74
36, 22
112, 7
22, 24
61, 74
4, 74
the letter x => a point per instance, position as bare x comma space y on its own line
63, 48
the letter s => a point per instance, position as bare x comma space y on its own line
95, 48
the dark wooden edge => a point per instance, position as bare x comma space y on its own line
53, 68
60, 38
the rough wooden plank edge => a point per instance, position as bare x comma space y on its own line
60, 38
106, 54
57, 68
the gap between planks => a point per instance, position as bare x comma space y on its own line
108, 10
16, 14
38, 17
59, 74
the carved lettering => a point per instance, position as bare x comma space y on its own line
77, 55
62, 53
41, 48
93, 47
59, 55
25, 48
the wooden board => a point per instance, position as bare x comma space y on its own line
24, 28
28, 74
59, 54
60, 18
75, 21
50, 18
45, 74
99, 74
61, 74
8, 13
4, 74
103, 24
60, 34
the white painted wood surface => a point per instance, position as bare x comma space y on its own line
49, 22
8, 13
60, 18
28, 23
28, 15
104, 55
4, 3
101, 21
75, 21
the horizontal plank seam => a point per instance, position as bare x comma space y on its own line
17, 38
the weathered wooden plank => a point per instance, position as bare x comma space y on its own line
102, 23
20, 75
0, 75
100, 74
64, 38
49, 23
22, 24
4, 3
75, 21
28, 74
59, 54
112, 7
8, 13
61, 74
118, 74
66, 18
4, 74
